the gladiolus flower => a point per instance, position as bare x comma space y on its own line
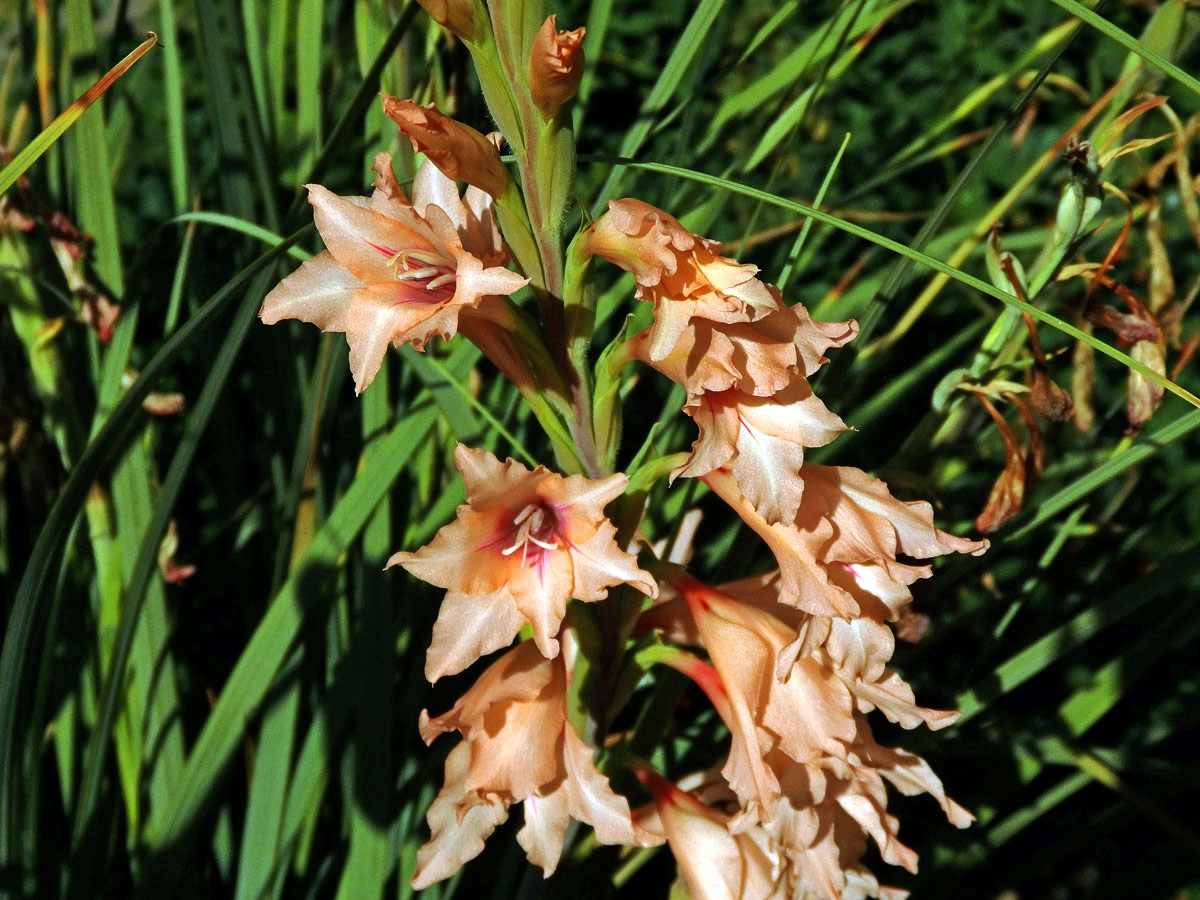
716, 864
523, 544
682, 274
761, 441
555, 66
758, 358
844, 539
393, 271
775, 699
458, 150
517, 747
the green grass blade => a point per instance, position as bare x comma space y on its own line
145, 565
112, 435
241, 226
262, 657
33, 151
681, 59
173, 97
1049, 648
1105, 472
1130, 43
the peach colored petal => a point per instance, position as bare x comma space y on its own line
458, 828
590, 798
361, 239
546, 821
758, 357
535, 535
452, 561
859, 648
867, 515
317, 292
457, 16
540, 593
715, 864
481, 237
893, 697
491, 483
397, 314
433, 191
387, 196
521, 675
514, 753
393, 274
682, 274
810, 711
470, 626
911, 775
803, 581
599, 563
761, 441
473, 282
522, 748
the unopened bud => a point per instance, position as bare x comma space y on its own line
458, 150
555, 66
456, 15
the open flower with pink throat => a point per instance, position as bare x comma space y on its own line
523, 544
393, 271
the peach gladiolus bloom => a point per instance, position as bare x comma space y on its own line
856, 650
758, 358
458, 150
555, 66
716, 864
761, 442
395, 272
775, 699
518, 747
682, 274
522, 546
844, 539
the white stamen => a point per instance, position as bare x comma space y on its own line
447, 278
415, 274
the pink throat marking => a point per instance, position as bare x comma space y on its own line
533, 531
421, 270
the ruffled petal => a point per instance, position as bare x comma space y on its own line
591, 799
546, 821
452, 559
761, 440
458, 828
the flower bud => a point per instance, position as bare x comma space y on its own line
555, 66
457, 16
458, 150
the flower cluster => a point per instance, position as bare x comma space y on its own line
794, 659
799, 655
